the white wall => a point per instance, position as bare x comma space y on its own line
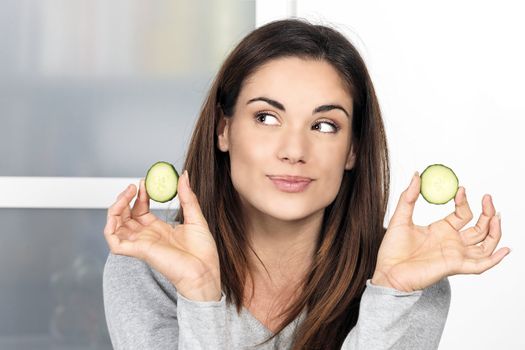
450, 77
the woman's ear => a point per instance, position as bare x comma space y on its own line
350, 160
222, 133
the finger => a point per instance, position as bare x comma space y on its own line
119, 241
155, 225
122, 246
110, 227
132, 225
407, 201
152, 254
491, 241
462, 214
481, 265
121, 206
112, 222
141, 205
487, 247
113, 233
477, 233
192, 212
112, 240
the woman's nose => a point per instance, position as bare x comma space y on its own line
293, 147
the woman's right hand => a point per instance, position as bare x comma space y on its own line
185, 254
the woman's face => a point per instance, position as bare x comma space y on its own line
289, 139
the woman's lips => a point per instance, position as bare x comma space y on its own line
291, 184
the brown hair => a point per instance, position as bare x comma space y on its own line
352, 227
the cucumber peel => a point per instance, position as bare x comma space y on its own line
161, 182
439, 184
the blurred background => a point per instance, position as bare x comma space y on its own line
92, 92
90, 89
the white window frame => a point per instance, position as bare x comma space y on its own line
67, 192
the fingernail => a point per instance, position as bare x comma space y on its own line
498, 214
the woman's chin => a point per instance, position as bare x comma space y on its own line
291, 214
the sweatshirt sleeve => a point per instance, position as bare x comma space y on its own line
396, 320
145, 311
203, 324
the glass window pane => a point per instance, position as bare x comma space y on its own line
51, 264
105, 88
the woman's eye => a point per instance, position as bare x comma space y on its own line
266, 118
325, 126
322, 126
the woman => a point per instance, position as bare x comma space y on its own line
280, 240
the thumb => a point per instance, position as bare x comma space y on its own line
189, 203
407, 202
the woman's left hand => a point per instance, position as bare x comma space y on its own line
413, 257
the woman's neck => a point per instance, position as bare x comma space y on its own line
285, 247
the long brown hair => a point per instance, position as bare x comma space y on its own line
352, 227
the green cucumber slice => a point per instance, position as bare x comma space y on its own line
439, 184
161, 182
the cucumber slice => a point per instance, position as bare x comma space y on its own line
161, 182
439, 184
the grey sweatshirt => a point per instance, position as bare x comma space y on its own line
144, 311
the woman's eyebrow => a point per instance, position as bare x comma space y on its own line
278, 105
